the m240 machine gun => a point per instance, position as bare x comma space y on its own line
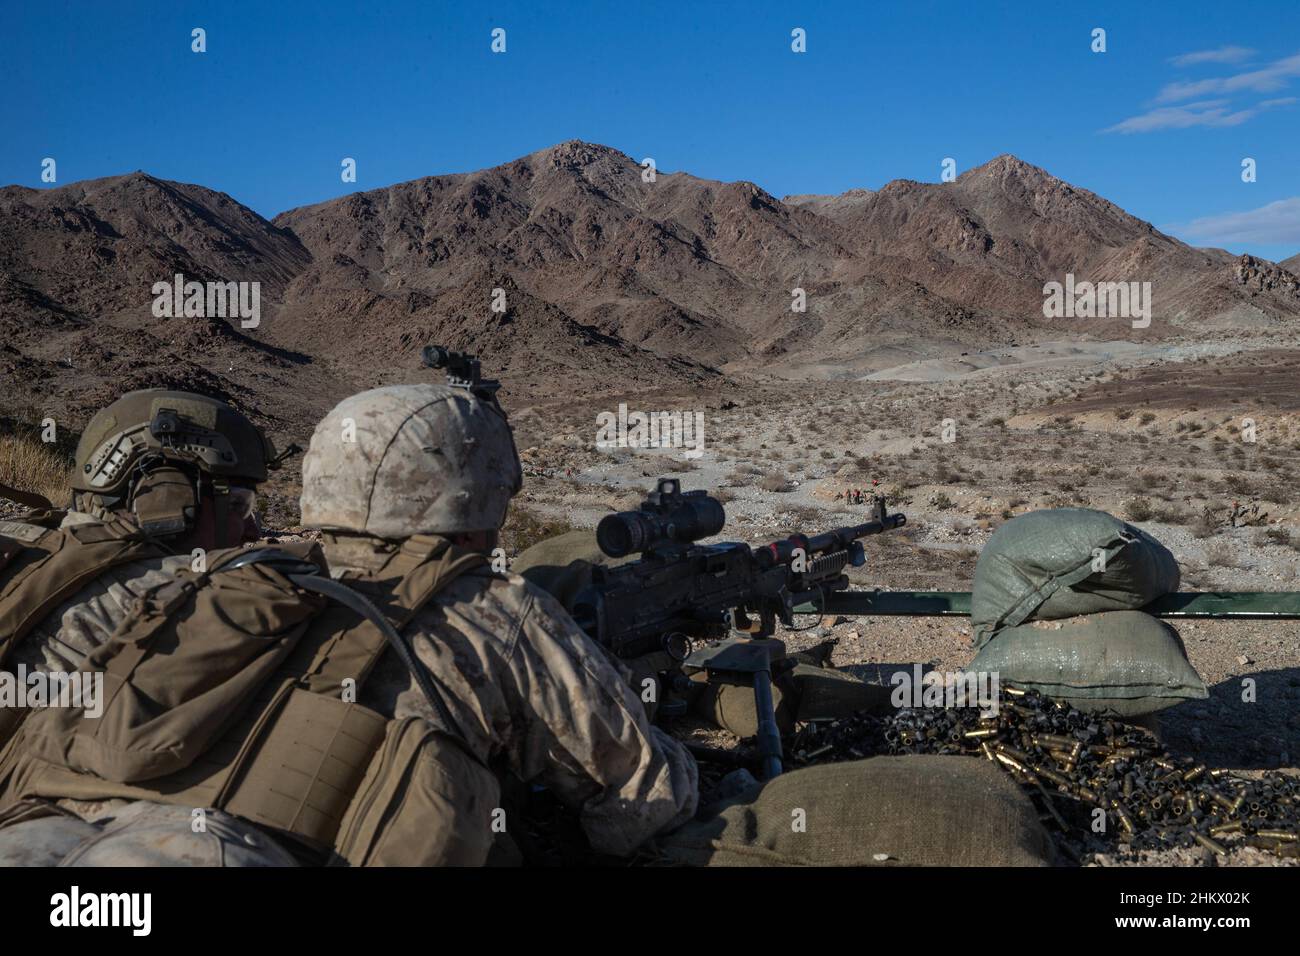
679, 592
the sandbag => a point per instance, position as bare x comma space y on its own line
885, 811
1044, 565
561, 566
1124, 663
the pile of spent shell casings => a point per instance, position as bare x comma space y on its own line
1072, 760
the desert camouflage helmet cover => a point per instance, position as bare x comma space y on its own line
410, 459
179, 426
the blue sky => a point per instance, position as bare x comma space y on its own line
1159, 123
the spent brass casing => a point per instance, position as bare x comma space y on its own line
1012, 752
1011, 762
1224, 802
1209, 843
1060, 779
1224, 828
1121, 812
1286, 836
1062, 758
981, 732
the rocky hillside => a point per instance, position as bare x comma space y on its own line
568, 270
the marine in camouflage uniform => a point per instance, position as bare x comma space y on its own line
158, 459
529, 689
147, 469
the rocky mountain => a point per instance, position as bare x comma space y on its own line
78, 264
572, 270
1292, 264
833, 206
702, 273
992, 238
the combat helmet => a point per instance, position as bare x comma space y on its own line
411, 459
156, 451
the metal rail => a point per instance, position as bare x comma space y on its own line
1211, 605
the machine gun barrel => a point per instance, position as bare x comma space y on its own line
841, 539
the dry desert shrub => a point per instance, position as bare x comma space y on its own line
31, 465
1139, 509
1280, 536
775, 482
524, 528
1220, 554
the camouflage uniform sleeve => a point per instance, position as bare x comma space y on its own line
589, 739
63, 640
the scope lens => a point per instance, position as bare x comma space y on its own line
621, 534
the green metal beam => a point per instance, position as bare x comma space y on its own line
1241, 605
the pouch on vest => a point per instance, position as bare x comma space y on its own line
43, 565
178, 672
424, 801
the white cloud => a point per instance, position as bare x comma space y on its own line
1273, 77
1278, 222
1203, 113
1224, 54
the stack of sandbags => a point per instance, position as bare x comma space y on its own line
886, 811
1053, 608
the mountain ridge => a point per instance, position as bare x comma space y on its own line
571, 265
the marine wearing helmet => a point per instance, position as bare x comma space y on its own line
182, 466
390, 469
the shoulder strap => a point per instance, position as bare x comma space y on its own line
385, 603
422, 567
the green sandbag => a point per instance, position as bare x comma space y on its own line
885, 811
1124, 663
1040, 566
561, 566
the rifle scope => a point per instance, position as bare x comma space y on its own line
669, 516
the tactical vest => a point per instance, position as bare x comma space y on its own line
294, 753
43, 565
